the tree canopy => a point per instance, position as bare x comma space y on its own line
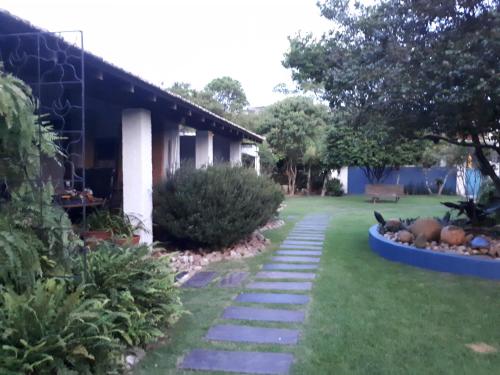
372, 149
424, 69
229, 93
290, 127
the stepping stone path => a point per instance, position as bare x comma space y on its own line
199, 280
233, 280
263, 314
294, 267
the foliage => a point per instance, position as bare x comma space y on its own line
477, 213
50, 329
228, 92
19, 258
372, 149
214, 207
334, 187
223, 96
140, 290
432, 69
119, 223
290, 127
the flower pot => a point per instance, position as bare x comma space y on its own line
133, 241
102, 235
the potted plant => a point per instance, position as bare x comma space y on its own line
125, 228
98, 226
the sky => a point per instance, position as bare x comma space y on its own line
192, 41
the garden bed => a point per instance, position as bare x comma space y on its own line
444, 260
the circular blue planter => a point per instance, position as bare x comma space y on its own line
432, 260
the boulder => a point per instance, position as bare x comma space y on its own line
428, 227
420, 241
405, 236
392, 225
469, 238
453, 235
480, 242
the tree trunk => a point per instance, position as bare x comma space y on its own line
325, 182
484, 164
309, 185
426, 180
441, 188
291, 173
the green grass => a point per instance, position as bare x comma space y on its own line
367, 315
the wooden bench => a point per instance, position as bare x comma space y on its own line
376, 192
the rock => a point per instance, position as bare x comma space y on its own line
479, 242
469, 238
429, 228
452, 235
420, 241
392, 225
405, 236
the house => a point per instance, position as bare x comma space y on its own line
117, 129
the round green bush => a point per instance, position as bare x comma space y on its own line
334, 187
213, 207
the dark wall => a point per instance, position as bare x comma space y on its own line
188, 150
411, 177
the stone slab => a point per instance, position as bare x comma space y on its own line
285, 275
199, 280
299, 247
278, 298
299, 252
239, 362
289, 266
263, 314
256, 335
295, 259
283, 285
233, 280
306, 237
302, 243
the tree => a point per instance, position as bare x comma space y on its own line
290, 126
454, 157
201, 98
228, 92
372, 149
425, 69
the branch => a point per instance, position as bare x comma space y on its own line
437, 138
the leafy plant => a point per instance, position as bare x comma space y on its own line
214, 207
476, 212
119, 223
49, 330
334, 187
140, 290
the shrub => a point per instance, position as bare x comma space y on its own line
52, 330
334, 187
139, 288
214, 207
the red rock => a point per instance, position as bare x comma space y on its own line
453, 235
428, 228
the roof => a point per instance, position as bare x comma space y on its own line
10, 23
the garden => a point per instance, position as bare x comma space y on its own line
85, 297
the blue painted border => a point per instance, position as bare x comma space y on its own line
432, 260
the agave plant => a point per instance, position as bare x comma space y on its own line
476, 213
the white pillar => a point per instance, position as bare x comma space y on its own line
171, 150
137, 169
204, 148
235, 152
257, 161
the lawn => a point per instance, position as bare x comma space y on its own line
367, 315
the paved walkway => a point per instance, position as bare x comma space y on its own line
286, 281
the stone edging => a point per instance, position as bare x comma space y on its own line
443, 262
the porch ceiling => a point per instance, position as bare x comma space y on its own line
109, 83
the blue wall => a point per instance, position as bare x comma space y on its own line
411, 177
